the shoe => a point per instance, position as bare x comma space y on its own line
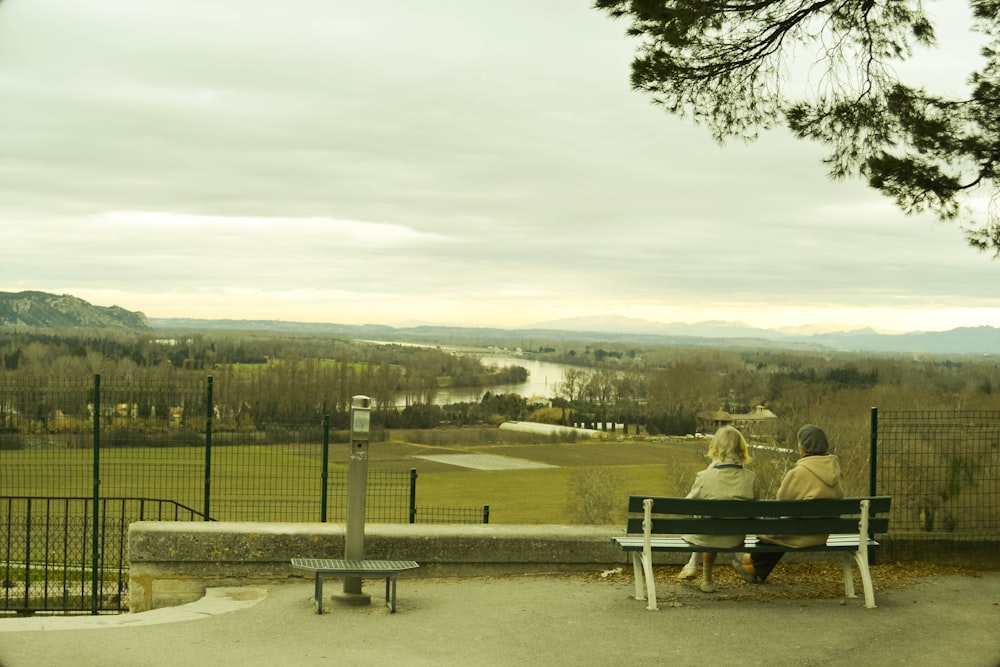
688, 572
747, 576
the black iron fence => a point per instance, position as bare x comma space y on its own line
118, 438
942, 469
49, 560
80, 461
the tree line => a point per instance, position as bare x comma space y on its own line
262, 378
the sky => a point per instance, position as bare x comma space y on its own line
441, 161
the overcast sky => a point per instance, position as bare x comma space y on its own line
442, 161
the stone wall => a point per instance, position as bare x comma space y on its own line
173, 563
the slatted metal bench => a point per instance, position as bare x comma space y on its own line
324, 567
655, 524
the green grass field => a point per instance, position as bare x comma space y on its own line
287, 477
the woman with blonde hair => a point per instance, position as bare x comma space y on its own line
725, 478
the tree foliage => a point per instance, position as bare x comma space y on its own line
731, 64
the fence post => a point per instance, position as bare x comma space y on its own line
95, 547
486, 513
324, 468
872, 472
208, 449
413, 495
873, 453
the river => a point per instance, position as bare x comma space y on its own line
543, 380
543, 377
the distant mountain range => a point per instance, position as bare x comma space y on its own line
963, 340
967, 340
41, 309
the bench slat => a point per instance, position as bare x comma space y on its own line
675, 543
759, 508
766, 526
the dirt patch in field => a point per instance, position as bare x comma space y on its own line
399, 456
484, 461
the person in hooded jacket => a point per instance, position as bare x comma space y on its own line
815, 476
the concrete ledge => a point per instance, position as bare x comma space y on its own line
173, 563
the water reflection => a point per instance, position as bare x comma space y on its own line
543, 380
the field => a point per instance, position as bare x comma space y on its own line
536, 496
288, 475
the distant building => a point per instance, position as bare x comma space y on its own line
759, 421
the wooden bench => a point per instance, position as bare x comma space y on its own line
656, 525
355, 568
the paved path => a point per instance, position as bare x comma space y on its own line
949, 620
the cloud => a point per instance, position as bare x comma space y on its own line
479, 163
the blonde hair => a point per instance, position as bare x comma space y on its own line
729, 446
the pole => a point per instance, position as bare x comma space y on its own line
413, 495
325, 469
357, 488
95, 547
872, 470
873, 454
209, 413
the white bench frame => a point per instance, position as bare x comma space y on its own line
851, 547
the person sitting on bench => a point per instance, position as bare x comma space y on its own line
724, 479
815, 476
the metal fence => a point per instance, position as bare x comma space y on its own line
942, 469
48, 558
75, 455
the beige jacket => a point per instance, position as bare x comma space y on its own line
722, 481
812, 478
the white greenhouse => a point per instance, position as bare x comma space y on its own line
550, 429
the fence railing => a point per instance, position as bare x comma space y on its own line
75, 455
80, 454
118, 438
48, 562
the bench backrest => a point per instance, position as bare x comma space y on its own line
776, 517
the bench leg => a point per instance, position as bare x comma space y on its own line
861, 557
640, 584
319, 593
643, 569
390, 593
846, 562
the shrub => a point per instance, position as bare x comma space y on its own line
595, 496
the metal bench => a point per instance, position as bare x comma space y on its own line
655, 524
358, 568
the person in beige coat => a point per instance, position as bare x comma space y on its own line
815, 476
725, 478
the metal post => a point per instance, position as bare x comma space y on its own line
209, 413
872, 470
95, 547
873, 454
413, 495
325, 468
357, 488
